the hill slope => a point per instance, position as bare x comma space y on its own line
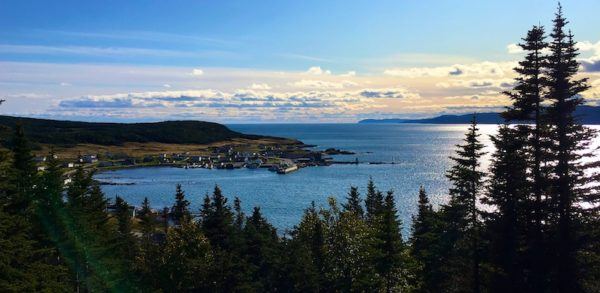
66, 133
586, 114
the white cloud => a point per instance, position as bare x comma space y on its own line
587, 46
591, 63
594, 92
288, 103
197, 72
317, 70
482, 69
166, 85
349, 74
65, 84
390, 93
477, 83
260, 86
514, 49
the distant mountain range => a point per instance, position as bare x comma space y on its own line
67, 133
586, 114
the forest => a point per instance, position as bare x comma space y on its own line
530, 223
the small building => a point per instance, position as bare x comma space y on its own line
179, 157
254, 163
88, 159
195, 159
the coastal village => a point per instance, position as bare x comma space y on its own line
282, 159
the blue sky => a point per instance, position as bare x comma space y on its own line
248, 45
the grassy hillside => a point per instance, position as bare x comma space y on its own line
67, 133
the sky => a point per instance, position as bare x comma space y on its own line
271, 61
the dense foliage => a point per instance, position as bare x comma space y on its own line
528, 224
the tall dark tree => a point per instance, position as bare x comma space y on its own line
24, 175
147, 220
125, 238
353, 202
570, 140
461, 215
146, 267
239, 215
373, 202
217, 222
390, 244
180, 210
508, 194
262, 251
424, 246
528, 97
49, 200
307, 259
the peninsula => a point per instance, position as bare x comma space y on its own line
589, 115
186, 144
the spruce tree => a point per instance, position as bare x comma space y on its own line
461, 236
528, 106
307, 261
262, 251
217, 225
24, 174
217, 222
506, 223
570, 140
180, 210
353, 202
239, 215
424, 245
49, 201
125, 238
373, 202
146, 266
147, 220
391, 263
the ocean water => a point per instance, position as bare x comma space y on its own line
419, 152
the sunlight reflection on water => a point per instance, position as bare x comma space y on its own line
419, 151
